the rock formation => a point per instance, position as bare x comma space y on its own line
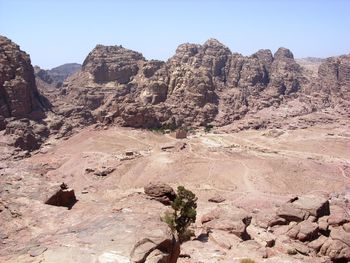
160, 192
201, 85
56, 76
21, 105
27, 115
18, 94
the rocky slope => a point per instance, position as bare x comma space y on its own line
261, 195
246, 181
19, 96
21, 106
27, 114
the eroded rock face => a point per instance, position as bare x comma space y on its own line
334, 75
21, 106
112, 63
18, 93
200, 84
56, 76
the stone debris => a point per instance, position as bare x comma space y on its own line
217, 199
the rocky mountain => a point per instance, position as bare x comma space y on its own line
201, 85
57, 75
19, 95
21, 106
261, 193
27, 117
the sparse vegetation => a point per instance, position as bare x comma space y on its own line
208, 128
183, 214
163, 128
247, 260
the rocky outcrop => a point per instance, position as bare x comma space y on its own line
160, 246
233, 221
43, 75
31, 109
160, 192
18, 94
112, 63
21, 106
334, 75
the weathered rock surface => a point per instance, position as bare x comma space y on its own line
56, 76
204, 84
199, 85
160, 192
113, 215
21, 106
113, 63
301, 208
233, 221
18, 94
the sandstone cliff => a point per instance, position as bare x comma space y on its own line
18, 94
203, 84
200, 85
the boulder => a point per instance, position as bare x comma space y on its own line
237, 228
317, 243
304, 231
161, 246
338, 216
291, 213
216, 199
336, 250
346, 227
233, 221
338, 233
268, 218
261, 236
301, 208
112, 63
214, 214
160, 192
104, 171
323, 224
223, 238
314, 205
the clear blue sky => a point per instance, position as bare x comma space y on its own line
57, 32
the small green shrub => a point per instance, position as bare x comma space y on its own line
183, 214
247, 260
162, 128
208, 128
